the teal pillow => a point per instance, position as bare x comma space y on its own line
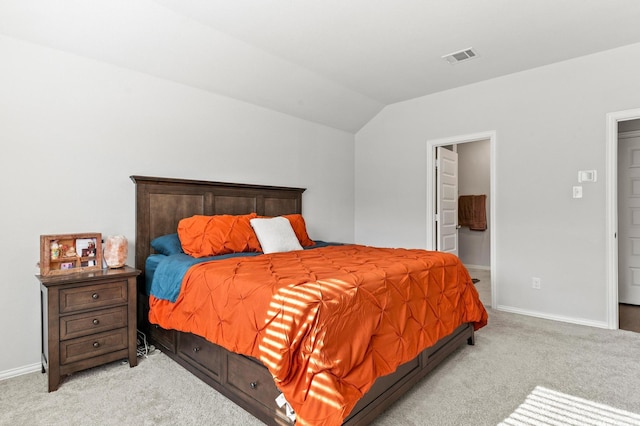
167, 244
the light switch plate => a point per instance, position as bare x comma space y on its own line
587, 176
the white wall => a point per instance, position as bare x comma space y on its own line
474, 167
73, 130
549, 123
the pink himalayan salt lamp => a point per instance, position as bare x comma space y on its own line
116, 249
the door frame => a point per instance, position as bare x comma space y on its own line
611, 159
431, 194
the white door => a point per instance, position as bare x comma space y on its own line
629, 218
447, 200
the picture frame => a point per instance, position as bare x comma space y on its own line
70, 253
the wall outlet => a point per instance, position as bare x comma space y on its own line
535, 283
577, 192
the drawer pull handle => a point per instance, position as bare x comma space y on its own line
253, 385
96, 344
196, 348
95, 295
96, 321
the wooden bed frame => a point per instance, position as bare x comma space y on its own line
160, 204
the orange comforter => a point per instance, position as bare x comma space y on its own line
328, 321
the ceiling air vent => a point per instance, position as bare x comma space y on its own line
460, 56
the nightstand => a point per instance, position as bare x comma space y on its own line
88, 319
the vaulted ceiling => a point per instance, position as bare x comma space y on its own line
334, 62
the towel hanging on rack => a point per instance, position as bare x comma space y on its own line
472, 212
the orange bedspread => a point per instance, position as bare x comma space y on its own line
328, 321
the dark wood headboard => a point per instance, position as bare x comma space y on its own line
162, 202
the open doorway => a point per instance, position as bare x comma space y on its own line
629, 225
616, 238
477, 249
474, 244
474, 178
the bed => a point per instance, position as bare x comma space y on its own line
161, 203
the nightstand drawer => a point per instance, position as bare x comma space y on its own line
78, 325
92, 297
94, 345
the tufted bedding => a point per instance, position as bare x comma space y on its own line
326, 322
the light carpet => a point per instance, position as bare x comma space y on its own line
475, 386
548, 407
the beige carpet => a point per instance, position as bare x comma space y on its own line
478, 385
547, 407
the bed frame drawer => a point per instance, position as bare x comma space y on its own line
252, 379
165, 339
201, 354
383, 383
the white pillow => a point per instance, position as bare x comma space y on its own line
275, 234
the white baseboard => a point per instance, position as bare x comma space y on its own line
570, 320
15, 372
481, 267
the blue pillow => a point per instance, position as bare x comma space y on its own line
167, 244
